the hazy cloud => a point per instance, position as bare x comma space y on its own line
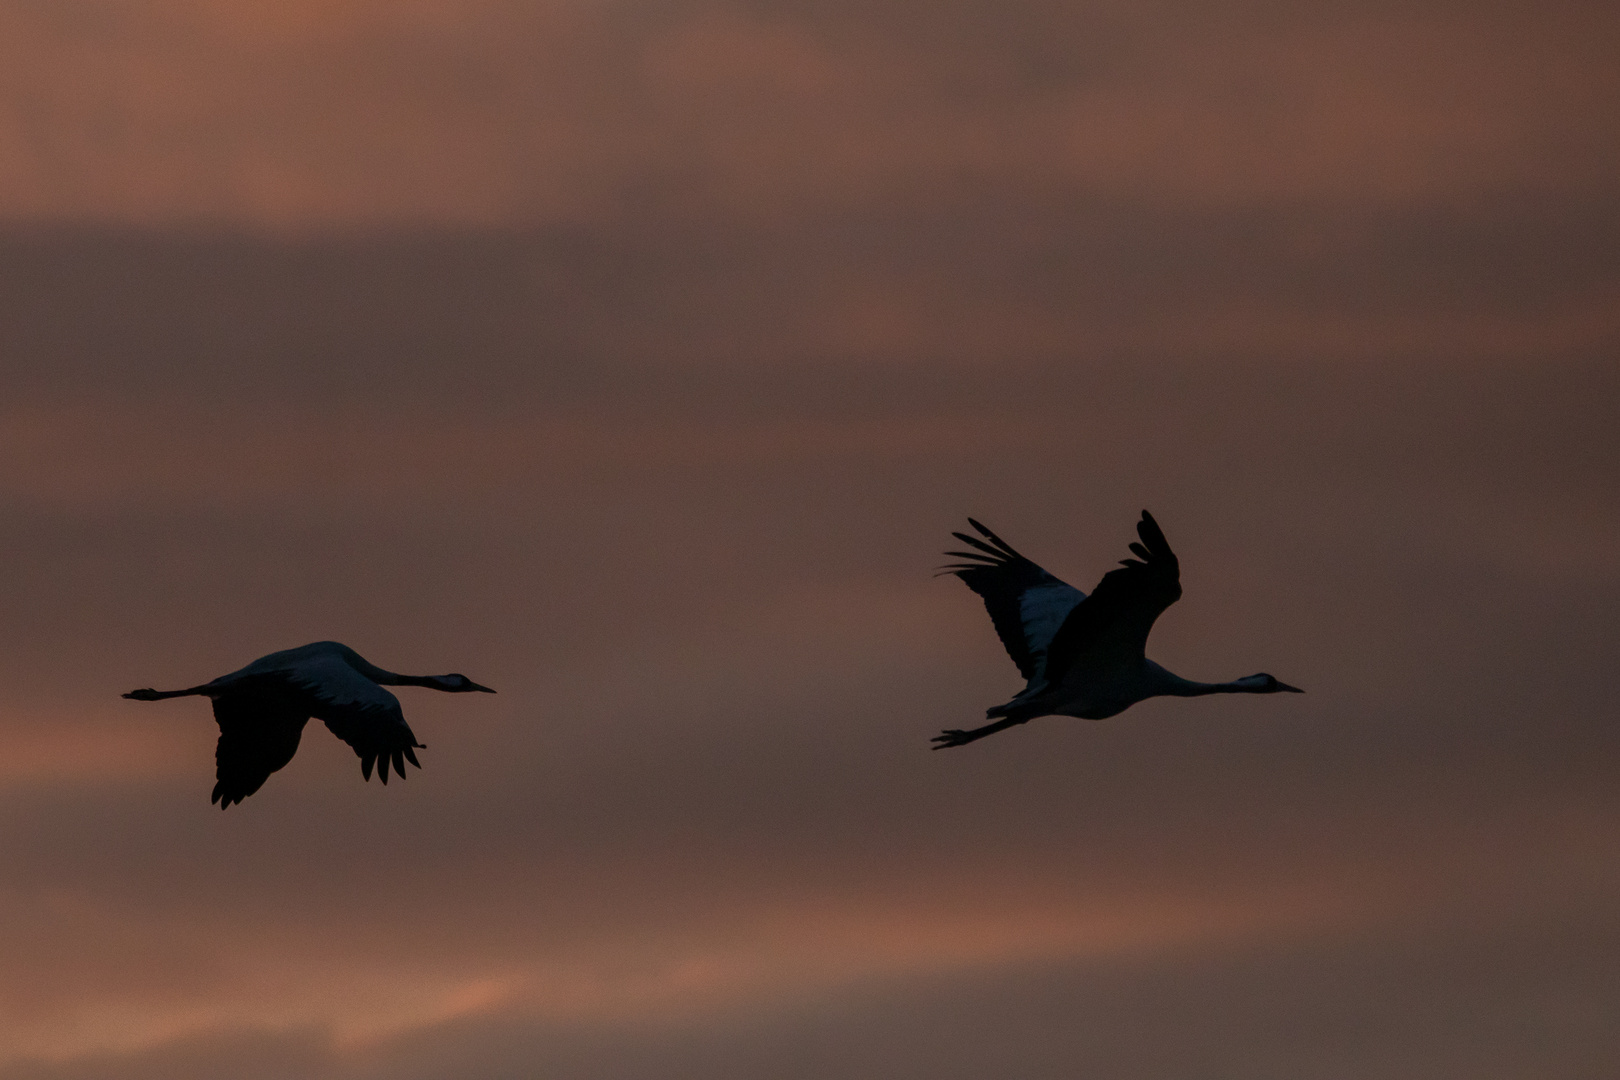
637, 359
499, 113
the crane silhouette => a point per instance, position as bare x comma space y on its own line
262, 710
1083, 656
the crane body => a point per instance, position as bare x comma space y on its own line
1082, 656
262, 708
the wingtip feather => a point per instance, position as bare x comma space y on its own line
995, 553
1004, 547
1153, 536
983, 560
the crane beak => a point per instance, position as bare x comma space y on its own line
1290, 689
483, 689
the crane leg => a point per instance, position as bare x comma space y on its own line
148, 694
958, 737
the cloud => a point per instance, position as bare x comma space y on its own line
744, 953
498, 113
637, 360
97, 743
1386, 1007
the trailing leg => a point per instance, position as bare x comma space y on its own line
959, 737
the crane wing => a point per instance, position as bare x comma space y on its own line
358, 711
1027, 605
259, 729
1112, 625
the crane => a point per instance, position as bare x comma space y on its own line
262, 710
1081, 655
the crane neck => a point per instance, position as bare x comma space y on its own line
389, 678
1189, 688
450, 684
382, 676
1170, 684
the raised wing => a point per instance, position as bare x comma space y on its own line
259, 730
1112, 625
1027, 605
358, 711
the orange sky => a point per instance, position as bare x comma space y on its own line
637, 360
317, 114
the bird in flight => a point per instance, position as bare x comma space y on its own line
1082, 655
262, 710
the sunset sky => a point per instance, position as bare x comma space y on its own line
637, 358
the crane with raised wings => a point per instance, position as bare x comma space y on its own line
1083, 656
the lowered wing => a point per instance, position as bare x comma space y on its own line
358, 711
1111, 626
1027, 605
259, 729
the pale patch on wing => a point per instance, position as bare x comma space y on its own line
1042, 609
358, 711
1027, 604
332, 682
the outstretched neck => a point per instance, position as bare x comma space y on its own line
450, 684
1189, 688
1172, 685
388, 678
382, 676
1249, 684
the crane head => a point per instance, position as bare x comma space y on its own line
1268, 684
458, 684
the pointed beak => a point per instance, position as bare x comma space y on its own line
483, 689
1290, 689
